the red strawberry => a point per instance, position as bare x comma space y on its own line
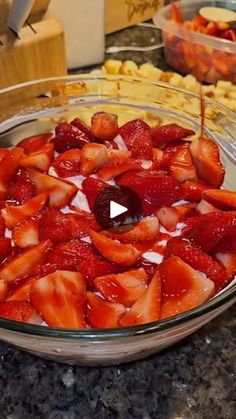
5, 247
3, 153
60, 299
3, 290
82, 126
112, 170
149, 268
101, 313
181, 166
206, 157
137, 137
228, 260
183, 288
92, 157
26, 233
14, 214
68, 136
154, 191
44, 269
193, 191
169, 133
19, 311
124, 288
68, 255
84, 216
221, 198
142, 149
145, 230
168, 154
209, 229
91, 188
197, 259
169, 217
122, 254
227, 243
2, 226
68, 163
80, 226
54, 225
21, 189
205, 208
157, 155
22, 291
147, 308
23, 264
40, 159
118, 156
34, 143
104, 125
8, 167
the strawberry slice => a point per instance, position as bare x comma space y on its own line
91, 188
221, 198
81, 226
34, 143
60, 192
22, 291
54, 225
145, 230
3, 290
60, 298
198, 260
68, 163
168, 154
19, 311
137, 137
122, 254
92, 157
40, 159
169, 133
101, 313
124, 288
193, 191
14, 214
149, 268
24, 263
26, 233
104, 125
169, 217
206, 157
115, 169
5, 248
118, 156
21, 189
4, 152
183, 288
157, 155
205, 207
147, 308
209, 229
227, 243
181, 167
82, 126
8, 167
2, 226
228, 260
68, 137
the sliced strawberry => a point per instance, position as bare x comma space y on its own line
197, 259
142, 148
54, 225
21, 189
209, 229
82, 126
40, 159
118, 156
206, 157
34, 143
26, 233
193, 191
112, 170
228, 260
91, 188
68, 255
80, 226
81, 215
227, 243
183, 288
60, 299
3, 153
168, 154
68, 163
181, 166
145, 230
68, 137
104, 125
92, 157
169, 217
147, 308
169, 133
60, 192
124, 288
22, 291
24, 263
14, 214
2, 226
157, 155
3, 290
221, 198
205, 207
19, 311
101, 313
8, 167
137, 137
122, 254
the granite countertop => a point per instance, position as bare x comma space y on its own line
195, 379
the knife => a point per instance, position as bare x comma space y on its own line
19, 11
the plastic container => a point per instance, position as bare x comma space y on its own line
208, 58
37, 106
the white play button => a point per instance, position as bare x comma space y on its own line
116, 209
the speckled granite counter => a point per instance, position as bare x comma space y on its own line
195, 379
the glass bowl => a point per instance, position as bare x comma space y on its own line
208, 58
34, 107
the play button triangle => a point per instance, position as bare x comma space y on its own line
116, 209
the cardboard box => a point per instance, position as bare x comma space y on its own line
121, 14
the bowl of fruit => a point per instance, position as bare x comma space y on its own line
197, 42
75, 291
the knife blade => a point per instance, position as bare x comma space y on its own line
19, 11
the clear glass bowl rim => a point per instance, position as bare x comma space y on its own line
122, 332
